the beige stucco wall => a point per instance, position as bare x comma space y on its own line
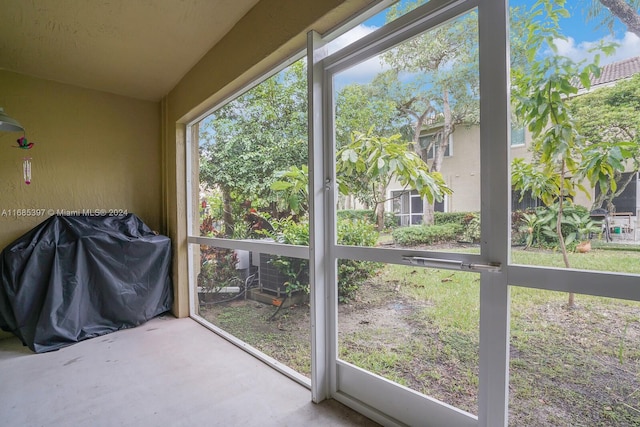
92, 151
461, 171
268, 34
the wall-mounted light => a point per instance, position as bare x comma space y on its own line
9, 124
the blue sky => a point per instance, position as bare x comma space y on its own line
581, 36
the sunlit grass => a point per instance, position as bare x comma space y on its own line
583, 364
453, 296
598, 259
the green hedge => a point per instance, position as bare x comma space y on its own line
351, 273
461, 218
358, 214
427, 234
390, 220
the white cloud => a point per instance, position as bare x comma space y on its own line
628, 46
363, 72
350, 36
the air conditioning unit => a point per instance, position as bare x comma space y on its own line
271, 278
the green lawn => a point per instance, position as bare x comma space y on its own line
419, 327
568, 366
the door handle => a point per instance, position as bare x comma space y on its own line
451, 264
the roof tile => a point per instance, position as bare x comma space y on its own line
617, 71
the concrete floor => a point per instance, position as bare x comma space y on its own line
167, 372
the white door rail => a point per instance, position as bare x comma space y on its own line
452, 264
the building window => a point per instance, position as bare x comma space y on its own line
407, 206
427, 140
523, 201
627, 200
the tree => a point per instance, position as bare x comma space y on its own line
541, 95
443, 83
377, 160
369, 158
609, 119
245, 141
625, 11
362, 108
293, 185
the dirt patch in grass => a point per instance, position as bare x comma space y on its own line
578, 367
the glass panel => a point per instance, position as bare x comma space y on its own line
393, 134
416, 203
252, 161
576, 367
259, 298
574, 180
417, 327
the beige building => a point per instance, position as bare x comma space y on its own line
461, 165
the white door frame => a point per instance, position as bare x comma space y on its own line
372, 395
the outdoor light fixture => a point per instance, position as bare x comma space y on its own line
9, 124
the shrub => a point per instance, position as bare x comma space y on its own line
538, 227
217, 265
519, 227
427, 234
390, 219
218, 268
460, 218
357, 233
359, 214
351, 273
471, 231
296, 270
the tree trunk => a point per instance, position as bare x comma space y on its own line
441, 144
625, 13
563, 247
227, 214
428, 216
348, 204
609, 196
379, 209
417, 130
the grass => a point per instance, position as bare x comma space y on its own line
611, 259
416, 315
286, 338
419, 328
568, 367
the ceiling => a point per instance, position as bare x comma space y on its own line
136, 48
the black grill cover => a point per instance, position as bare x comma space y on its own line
73, 278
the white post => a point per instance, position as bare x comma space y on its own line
493, 393
317, 208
